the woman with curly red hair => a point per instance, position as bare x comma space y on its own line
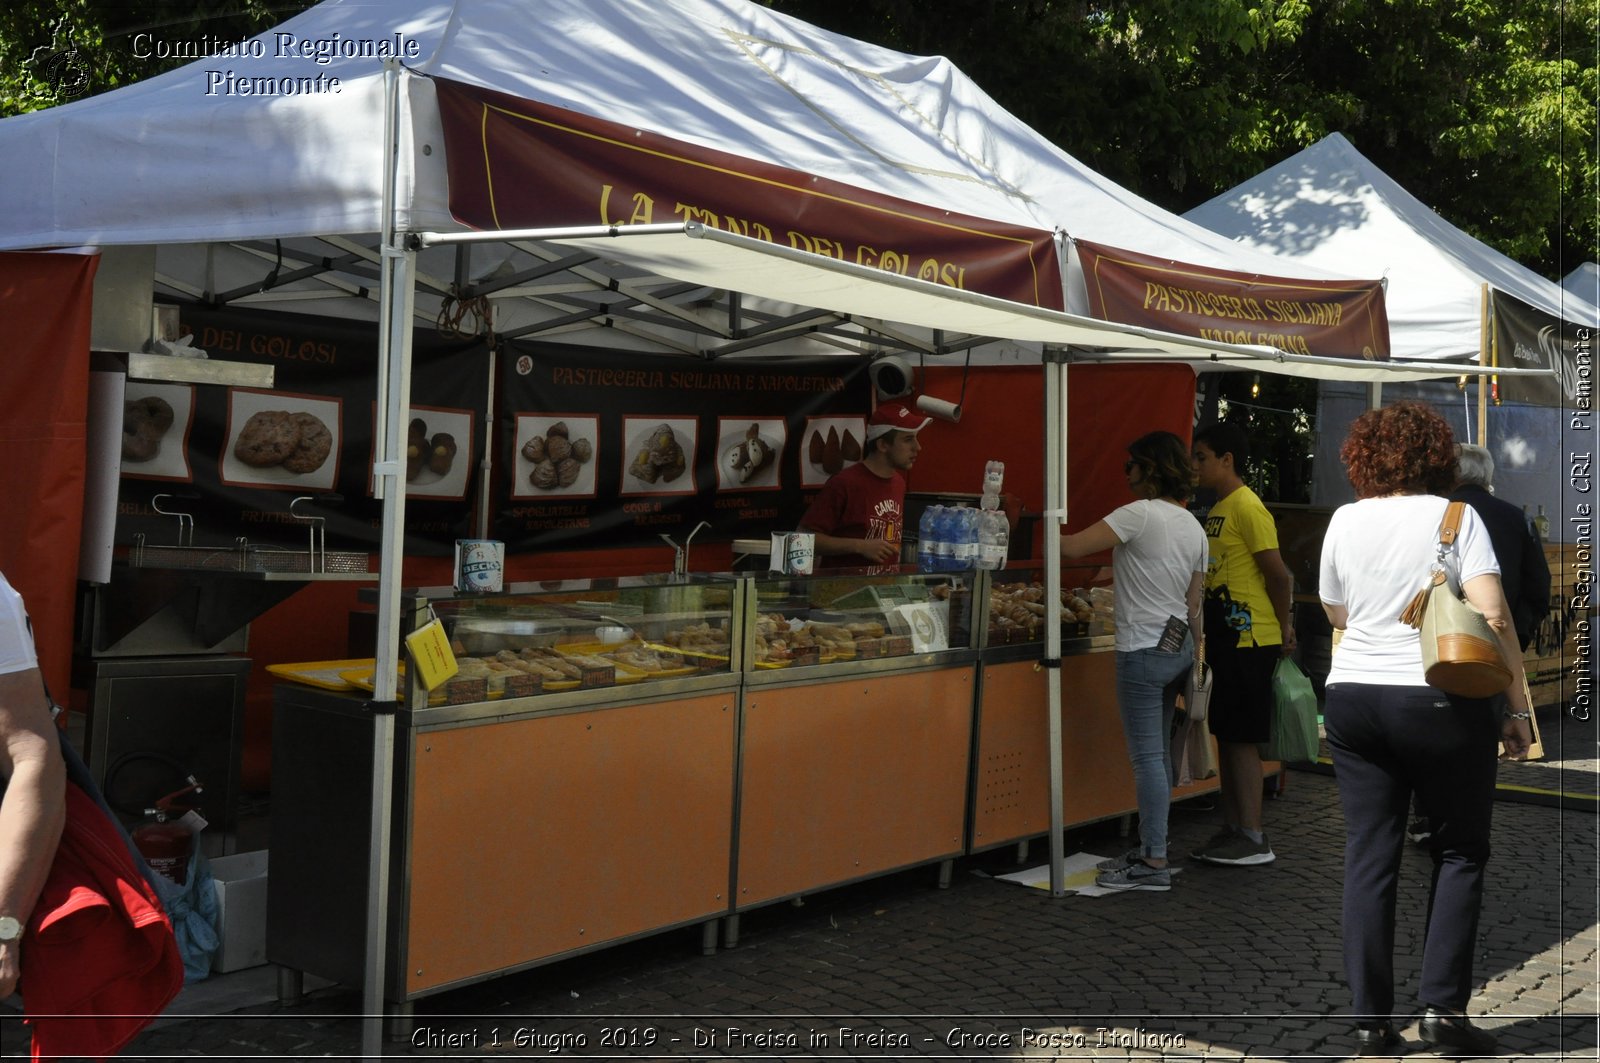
1391, 733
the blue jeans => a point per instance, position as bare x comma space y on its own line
1148, 685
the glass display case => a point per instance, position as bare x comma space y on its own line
842, 616
1013, 609
554, 636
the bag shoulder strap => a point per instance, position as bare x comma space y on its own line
1450, 526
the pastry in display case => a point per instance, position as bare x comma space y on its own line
825, 619
557, 636
1017, 604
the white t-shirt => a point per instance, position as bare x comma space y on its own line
1163, 546
1375, 557
16, 644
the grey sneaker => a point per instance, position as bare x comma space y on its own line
1239, 851
1136, 876
1117, 863
1216, 841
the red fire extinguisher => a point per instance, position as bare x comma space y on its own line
165, 843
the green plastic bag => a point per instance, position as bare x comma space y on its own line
1294, 717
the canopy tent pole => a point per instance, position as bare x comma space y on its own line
1055, 510
396, 298
1485, 359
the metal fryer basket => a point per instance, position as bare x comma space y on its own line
243, 557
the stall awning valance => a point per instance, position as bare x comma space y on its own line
698, 254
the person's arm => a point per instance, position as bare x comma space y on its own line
1096, 538
1486, 595
876, 551
1280, 588
1193, 596
1338, 615
33, 810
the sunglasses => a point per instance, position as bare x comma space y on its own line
1129, 465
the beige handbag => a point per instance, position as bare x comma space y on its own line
1460, 651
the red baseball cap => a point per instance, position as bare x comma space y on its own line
895, 416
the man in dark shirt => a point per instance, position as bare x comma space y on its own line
1524, 572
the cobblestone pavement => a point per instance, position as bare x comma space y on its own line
1232, 963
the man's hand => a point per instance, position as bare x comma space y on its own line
1290, 641
879, 551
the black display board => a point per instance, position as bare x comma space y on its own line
653, 444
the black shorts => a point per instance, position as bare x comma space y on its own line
1241, 692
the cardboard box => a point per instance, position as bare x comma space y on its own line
241, 881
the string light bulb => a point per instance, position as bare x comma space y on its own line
1255, 386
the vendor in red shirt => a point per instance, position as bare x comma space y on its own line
859, 515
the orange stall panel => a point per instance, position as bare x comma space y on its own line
851, 778
539, 836
1011, 795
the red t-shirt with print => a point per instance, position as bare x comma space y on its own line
857, 503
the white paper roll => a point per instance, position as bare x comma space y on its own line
944, 411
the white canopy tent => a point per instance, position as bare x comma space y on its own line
1584, 283
344, 186
1328, 207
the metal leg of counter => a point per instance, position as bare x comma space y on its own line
708, 938
291, 985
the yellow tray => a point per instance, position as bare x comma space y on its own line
664, 648
329, 675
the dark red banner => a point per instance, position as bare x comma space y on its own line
515, 163
1341, 319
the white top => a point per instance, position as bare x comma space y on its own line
1375, 557
16, 642
1163, 546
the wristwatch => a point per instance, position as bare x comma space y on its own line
10, 930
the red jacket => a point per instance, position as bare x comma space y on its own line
99, 960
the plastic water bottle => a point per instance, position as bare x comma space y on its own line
925, 554
946, 532
965, 537
994, 475
994, 540
938, 541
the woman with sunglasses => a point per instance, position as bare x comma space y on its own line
1159, 563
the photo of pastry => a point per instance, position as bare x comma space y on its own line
281, 440
828, 445
659, 459
748, 450
555, 455
156, 419
438, 452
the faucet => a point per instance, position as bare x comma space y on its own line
680, 554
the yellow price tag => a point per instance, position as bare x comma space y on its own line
430, 649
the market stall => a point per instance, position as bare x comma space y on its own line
862, 146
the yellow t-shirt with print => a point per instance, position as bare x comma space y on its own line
1237, 528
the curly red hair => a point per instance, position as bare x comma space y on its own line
1404, 448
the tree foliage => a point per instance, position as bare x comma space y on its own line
1484, 109
54, 51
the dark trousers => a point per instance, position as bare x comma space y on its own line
1387, 743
